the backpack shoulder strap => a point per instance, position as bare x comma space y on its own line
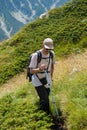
39, 56
51, 55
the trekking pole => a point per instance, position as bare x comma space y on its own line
53, 100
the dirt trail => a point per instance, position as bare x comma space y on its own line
71, 64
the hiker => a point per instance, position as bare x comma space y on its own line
38, 77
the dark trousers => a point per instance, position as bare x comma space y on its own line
43, 94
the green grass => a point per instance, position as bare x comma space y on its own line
72, 93
19, 111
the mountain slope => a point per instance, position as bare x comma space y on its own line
18, 99
66, 26
15, 14
71, 65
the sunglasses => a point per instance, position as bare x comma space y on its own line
48, 49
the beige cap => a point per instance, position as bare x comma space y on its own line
48, 43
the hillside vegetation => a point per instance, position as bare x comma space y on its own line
19, 110
66, 25
18, 98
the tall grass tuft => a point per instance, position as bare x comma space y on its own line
72, 93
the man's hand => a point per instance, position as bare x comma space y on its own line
43, 67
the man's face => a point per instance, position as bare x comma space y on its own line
47, 50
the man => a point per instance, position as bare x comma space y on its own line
38, 71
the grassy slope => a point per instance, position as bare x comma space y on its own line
66, 26
63, 67
70, 89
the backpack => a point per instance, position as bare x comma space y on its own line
39, 57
